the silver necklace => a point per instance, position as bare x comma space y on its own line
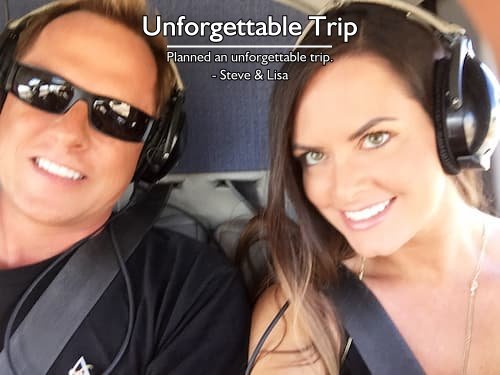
473, 287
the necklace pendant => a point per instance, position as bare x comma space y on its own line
473, 287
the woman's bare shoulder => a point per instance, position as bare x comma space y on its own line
285, 350
268, 305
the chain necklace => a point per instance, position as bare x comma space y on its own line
473, 287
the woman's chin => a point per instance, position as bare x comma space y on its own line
371, 249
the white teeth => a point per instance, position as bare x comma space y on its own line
57, 169
368, 212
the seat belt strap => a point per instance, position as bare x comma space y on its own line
78, 286
377, 339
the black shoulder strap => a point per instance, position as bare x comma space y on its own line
377, 339
253, 358
54, 318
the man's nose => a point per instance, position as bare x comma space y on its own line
72, 128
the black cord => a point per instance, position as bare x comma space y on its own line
263, 338
131, 305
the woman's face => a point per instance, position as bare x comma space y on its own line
368, 155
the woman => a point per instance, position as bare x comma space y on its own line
353, 147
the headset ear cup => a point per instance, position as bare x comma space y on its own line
161, 166
166, 137
448, 160
476, 101
147, 152
177, 147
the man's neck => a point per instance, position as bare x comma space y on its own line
25, 241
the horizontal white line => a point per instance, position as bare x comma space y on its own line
179, 46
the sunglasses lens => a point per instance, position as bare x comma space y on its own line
47, 92
119, 120
42, 90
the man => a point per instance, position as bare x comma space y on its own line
62, 169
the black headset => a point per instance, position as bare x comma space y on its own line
466, 92
165, 141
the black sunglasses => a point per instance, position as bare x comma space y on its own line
51, 93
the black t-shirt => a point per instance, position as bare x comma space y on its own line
191, 312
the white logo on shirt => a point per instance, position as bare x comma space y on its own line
80, 368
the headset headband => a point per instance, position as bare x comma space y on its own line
417, 14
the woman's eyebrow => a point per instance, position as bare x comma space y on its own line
368, 125
374, 121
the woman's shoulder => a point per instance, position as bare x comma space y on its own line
286, 348
269, 305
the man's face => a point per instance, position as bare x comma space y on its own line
58, 169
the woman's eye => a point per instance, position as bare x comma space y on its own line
376, 139
313, 157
